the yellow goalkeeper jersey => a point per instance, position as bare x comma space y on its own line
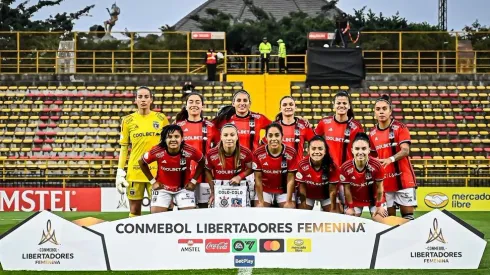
142, 133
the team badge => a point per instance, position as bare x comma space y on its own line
156, 125
224, 201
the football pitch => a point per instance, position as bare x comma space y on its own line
480, 220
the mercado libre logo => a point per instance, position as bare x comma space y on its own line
45, 255
271, 245
436, 200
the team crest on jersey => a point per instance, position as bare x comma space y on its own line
328, 120
298, 175
159, 155
306, 167
156, 125
288, 156
395, 127
350, 171
257, 116
370, 168
214, 157
262, 156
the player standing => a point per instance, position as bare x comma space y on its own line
316, 174
141, 130
296, 130
199, 133
339, 131
362, 178
247, 122
229, 162
275, 165
173, 181
390, 141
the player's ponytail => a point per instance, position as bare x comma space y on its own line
327, 161
224, 114
184, 114
168, 130
350, 112
385, 98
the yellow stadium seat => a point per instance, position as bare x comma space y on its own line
295, 88
315, 87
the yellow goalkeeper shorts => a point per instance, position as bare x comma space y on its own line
136, 190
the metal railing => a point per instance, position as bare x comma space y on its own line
177, 52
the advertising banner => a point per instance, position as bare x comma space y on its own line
437, 240
46, 241
240, 237
453, 198
54, 199
113, 201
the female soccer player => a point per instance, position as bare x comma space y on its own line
362, 178
247, 122
339, 131
229, 162
200, 134
140, 130
296, 130
173, 181
275, 165
317, 175
390, 141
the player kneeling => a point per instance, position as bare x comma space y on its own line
173, 181
275, 165
363, 181
317, 176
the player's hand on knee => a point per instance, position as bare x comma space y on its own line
190, 186
121, 182
350, 212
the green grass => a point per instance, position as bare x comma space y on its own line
480, 220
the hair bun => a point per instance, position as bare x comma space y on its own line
385, 97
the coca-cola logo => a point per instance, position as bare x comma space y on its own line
217, 245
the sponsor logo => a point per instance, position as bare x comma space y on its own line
244, 245
436, 200
271, 245
54, 199
244, 261
190, 245
49, 235
299, 245
217, 245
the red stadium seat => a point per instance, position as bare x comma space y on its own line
48, 102
478, 149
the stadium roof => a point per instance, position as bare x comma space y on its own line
239, 11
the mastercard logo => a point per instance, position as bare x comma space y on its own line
271, 245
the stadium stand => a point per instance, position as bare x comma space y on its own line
51, 132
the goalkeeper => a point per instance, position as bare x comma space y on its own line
142, 131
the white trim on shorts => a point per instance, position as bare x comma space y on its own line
203, 192
182, 199
404, 197
271, 198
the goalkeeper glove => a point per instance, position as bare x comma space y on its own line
121, 182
